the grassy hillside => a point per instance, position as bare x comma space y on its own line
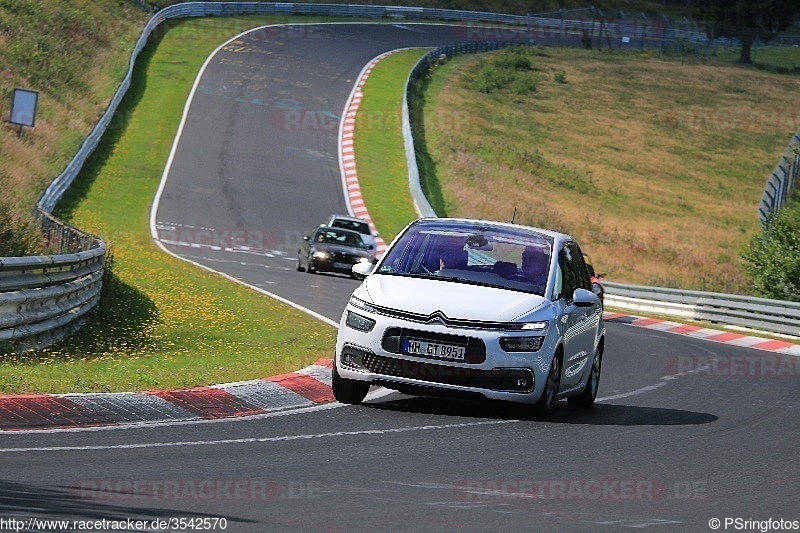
656, 165
74, 52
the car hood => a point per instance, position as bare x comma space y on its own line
329, 247
455, 300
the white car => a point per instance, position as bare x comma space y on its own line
473, 309
354, 224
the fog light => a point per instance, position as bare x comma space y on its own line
361, 323
521, 344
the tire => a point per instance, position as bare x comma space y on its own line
309, 268
544, 407
586, 398
300, 267
349, 391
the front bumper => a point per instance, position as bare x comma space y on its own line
486, 372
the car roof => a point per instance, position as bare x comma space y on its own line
556, 236
343, 230
347, 217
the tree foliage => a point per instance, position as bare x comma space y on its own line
746, 20
772, 259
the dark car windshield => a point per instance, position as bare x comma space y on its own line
335, 236
354, 225
476, 253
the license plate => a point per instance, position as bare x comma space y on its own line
342, 265
433, 349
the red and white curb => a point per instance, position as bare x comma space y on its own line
303, 388
714, 335
348, 157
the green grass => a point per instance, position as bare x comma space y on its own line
162, 323
378, 143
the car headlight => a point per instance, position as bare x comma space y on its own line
527, 326
521, 344
320, 254
361, 323
361, 304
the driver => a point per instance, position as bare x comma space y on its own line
535, 265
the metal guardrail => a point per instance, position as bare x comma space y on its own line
45, 298
64, 287
775, 316
781, 181
421, 203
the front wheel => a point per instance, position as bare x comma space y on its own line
348, 390
544, 407
587, 396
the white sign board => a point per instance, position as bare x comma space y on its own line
23, 107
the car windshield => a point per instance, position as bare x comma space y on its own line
475, 253
334, 236
354, 225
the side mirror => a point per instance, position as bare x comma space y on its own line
584, 298
362, 270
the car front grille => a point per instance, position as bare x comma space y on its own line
506, 380
344, 257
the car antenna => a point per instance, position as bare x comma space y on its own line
514, 215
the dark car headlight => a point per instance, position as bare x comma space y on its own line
521, 344
359, 322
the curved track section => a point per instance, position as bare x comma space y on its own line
687, 431
257, 162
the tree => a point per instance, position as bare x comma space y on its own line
746, 20
772, 259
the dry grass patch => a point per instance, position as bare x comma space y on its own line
656, 166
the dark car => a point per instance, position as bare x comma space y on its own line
327, 249
594, 277
356, 224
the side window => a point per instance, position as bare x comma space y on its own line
573, 271
558, 288
570, 281
582, 273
